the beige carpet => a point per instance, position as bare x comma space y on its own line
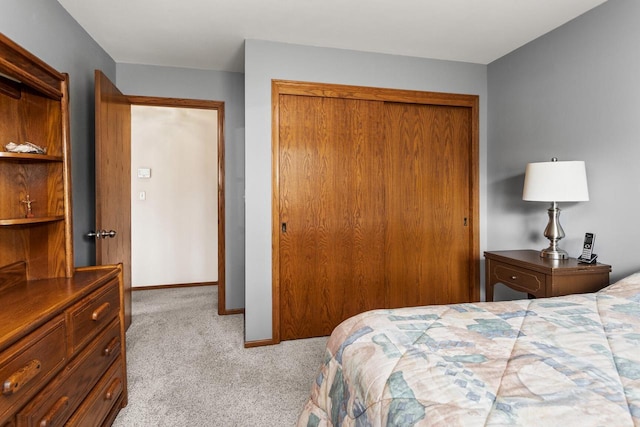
187, 366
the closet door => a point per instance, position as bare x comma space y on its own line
331, 208
428, 240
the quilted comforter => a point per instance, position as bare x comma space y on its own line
572, 360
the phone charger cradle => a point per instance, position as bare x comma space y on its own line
591, 260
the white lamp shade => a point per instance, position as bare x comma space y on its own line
556, 182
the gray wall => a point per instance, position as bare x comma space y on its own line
268, 60
45, 29
173, 82
572, 94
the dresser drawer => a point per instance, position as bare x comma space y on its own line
102, 399
91, 314
29, 364
57, 402
524, 280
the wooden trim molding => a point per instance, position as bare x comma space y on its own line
154, 101
288, 87
222, 307
474, 282
174, 285
260, 343
277, 87
66, 153
21, 65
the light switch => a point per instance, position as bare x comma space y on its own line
142, 195
144, 172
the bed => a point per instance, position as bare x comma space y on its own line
572, 360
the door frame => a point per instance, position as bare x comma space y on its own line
152, 101
288, 87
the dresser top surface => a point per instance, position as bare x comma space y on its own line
34, 302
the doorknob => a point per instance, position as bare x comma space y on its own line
101, 234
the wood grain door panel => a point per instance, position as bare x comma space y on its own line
113, 179
332, 206
428, 250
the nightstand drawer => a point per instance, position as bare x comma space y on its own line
524, 280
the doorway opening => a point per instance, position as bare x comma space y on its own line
177, 238
173, 205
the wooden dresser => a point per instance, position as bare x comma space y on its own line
62, 354
62, 337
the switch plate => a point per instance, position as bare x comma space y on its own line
142, 195
144, 172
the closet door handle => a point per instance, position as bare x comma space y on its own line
284, 227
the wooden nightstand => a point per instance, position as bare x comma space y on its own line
526, 271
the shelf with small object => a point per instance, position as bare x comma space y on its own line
31, 192
32, 220
35, 178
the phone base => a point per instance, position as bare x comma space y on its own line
590, 260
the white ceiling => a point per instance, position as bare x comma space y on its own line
209, 34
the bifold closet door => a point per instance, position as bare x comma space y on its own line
332, 209
428, 241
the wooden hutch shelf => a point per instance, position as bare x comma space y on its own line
34, 220
27, 157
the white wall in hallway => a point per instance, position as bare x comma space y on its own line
174, 230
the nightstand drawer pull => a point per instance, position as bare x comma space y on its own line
21, 377
514, 277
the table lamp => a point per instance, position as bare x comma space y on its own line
555, 182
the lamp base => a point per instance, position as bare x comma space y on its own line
554, 233
552, 253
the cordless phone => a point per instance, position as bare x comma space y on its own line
587, 255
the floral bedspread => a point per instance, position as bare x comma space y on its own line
564, 361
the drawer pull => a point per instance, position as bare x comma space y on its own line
55, 412
112, 347
113, 390
21, 377
514, 277
100, 311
